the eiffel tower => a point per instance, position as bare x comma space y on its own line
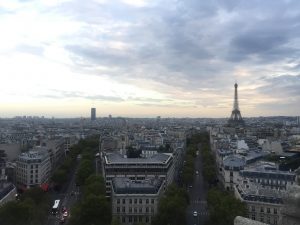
236, 117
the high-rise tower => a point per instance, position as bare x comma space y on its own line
93, 113
236, 117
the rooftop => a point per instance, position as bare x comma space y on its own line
123, 185
115, 158
234, 161
255, 192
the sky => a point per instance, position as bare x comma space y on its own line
148, 58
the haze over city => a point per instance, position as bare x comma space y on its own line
147, 58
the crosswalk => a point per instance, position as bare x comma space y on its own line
201, 205
201, 202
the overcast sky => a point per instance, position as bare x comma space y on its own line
173, 58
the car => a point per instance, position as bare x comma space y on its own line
65, 214
195, 213
197, 172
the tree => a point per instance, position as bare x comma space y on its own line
94, 185
133, 153
16, 213
115, 221
85, 170
224, 207
95, 210
171, 208
59, 177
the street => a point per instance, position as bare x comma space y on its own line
197, 194
66, 198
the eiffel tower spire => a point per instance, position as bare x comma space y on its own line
236, 117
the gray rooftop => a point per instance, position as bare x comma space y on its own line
115, 158
234, 161
255, 192
123, 185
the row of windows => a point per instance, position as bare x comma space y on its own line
135, 219
262, 209
135, 209
135, 201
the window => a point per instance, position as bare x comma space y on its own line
261, 209
118, 209
268, 210
135, 209
140, 201
123, 200
253, 208
123, 219
147, 209
123, 209
36, 181
147, 201
31, 166
130, 210
118, 201
130, 219
152, 209
231, 173
152, 201
140, 209
36, 166
275, 221
135, 201
147, 219
262, 219
275, 211
130, 201
253, 217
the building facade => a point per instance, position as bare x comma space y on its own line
33, 168
263, 204
135, 201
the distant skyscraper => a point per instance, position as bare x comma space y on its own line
93, 113
236, 117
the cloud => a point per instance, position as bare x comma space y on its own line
185, 51
72, 95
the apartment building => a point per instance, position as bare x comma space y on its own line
135, 201
160, 165
33, 168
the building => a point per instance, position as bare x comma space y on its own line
263, 204
157, 166
7, 189
33, 168
135, 201
93, 114
268, 175
232, 165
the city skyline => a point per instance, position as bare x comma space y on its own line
142, 58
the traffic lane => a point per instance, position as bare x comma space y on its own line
197, 196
